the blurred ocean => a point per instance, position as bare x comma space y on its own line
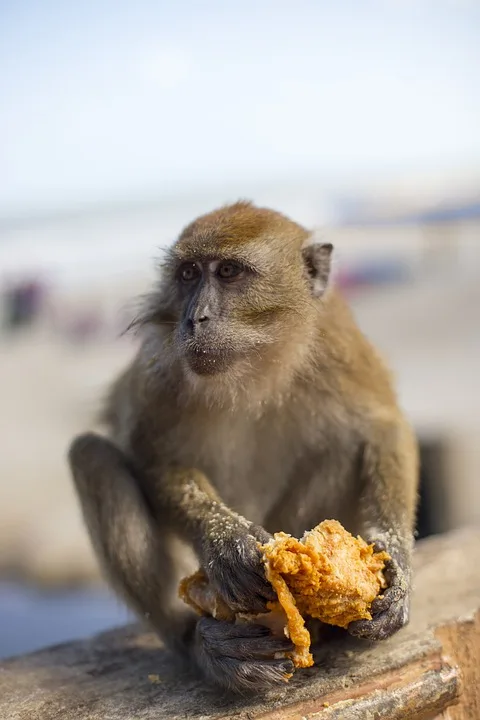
31, 619
93, 242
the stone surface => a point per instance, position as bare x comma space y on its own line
126, 675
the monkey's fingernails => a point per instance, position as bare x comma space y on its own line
359, 628
380, 604
256, 648
249, 631
261, 601
267, 592
265, 598
288, 667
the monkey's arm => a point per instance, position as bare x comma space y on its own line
225, 542
389, 476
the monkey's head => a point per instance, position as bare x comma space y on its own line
239, 289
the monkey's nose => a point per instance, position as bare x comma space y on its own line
200, 314
195, 322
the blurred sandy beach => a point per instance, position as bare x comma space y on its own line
50, 391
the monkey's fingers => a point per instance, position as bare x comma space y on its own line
238, 575
396, 590
247, 592
391, 596
384, 624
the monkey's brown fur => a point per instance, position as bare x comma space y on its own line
254, 405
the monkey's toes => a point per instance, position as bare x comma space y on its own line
245, 676
250, 676
243, 641
242, 658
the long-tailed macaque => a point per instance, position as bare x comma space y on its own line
253, 405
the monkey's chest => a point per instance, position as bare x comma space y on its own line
246, 466
261, 468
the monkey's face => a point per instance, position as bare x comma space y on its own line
239, 293
219, 323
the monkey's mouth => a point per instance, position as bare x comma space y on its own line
205, 361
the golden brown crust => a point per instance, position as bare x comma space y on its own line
196, 591
328, 575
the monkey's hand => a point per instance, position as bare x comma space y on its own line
390, 611
241, 657
234, 566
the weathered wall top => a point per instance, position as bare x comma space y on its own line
127, 675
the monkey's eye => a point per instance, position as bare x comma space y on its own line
229, 269
188, 272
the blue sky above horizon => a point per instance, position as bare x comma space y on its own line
113, 98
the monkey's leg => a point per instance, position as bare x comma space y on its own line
387, 515
132, 549
134, 552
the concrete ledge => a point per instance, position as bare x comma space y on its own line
431, 665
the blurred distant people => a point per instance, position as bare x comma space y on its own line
26, 301
84, 326
77, 322
373, 273
23, 303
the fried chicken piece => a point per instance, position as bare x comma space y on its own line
196, 591
328, 575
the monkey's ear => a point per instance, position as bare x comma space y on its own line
317, 259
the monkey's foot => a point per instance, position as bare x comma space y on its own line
241, 658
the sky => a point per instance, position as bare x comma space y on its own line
109, 99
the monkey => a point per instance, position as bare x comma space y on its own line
253, 404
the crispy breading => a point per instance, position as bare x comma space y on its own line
328, 575
196, 591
